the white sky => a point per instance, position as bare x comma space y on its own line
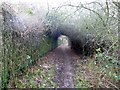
50, 2
54, 2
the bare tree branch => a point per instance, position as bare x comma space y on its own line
82, 6
107, 13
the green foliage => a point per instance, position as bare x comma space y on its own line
81, 83
109, 65
30, 11
0, 51
94, 23
36, 77
17, 57
98, 22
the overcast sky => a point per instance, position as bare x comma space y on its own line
52, 3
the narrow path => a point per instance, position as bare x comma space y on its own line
64, 67
56, 69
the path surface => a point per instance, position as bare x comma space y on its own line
64, 58
65, 69
56, 69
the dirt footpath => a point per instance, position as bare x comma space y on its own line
64, 59
56, 69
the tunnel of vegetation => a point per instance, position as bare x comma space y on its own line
25, 44
79, 42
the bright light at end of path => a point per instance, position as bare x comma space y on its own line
63, 40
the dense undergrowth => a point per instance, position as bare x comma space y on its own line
98, 25
0, 49
98, 22
40, 75
102, 71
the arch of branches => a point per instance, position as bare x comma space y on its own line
23, 45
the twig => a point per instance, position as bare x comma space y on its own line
112, 84
107, 13
81, 6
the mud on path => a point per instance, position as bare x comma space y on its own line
64, 61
